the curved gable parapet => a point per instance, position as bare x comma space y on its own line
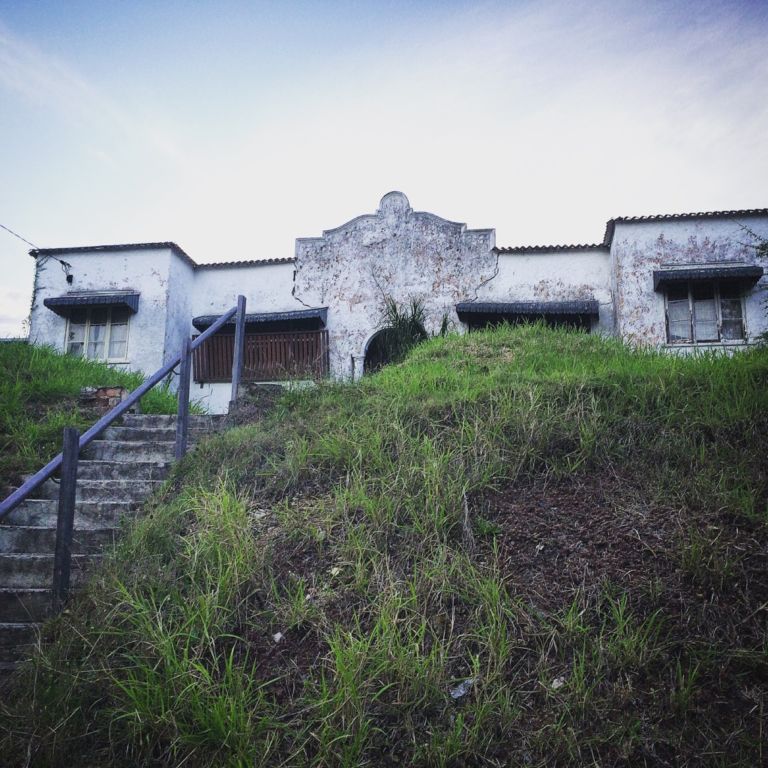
395, 214
395, 253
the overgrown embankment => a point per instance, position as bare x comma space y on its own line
39, 391
520, 547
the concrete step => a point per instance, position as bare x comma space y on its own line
18, 539
151, 434
130, 451
115, 475
36, 571
156, 420
88, 514
102, 490
16, 639
25, 604
94, 469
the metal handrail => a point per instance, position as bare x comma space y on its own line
26, 488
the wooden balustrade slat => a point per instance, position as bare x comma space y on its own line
266, 356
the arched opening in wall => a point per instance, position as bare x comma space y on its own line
378, 351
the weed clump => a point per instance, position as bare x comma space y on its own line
39, 392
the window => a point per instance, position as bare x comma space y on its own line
98, 333
703, 312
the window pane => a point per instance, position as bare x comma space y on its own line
75, 335
96, 350
679, 320
732, 330
731, 309
733, 323
118, 337
705, 324
76, 332
119, 332
96, 336
97, 332
705, 312
117, 350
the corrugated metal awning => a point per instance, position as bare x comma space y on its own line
748, 274
321, 313
531, 308
63, 305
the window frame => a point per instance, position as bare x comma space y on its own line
690, 286
107, 335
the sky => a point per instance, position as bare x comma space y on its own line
232, 128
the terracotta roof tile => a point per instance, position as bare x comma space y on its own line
611, 225
116, 247
549, 248
154, 246
248, 262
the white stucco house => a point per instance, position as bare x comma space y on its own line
680, 282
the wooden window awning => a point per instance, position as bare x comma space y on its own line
310, 319
63, 305
587, 307
745, 274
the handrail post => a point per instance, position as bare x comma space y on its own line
10, 503
182, 416
237, 357
62, 558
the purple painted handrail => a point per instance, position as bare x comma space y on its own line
22, 492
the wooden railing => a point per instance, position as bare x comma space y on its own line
73, 442
266, 357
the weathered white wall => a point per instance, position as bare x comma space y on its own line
179, 306
145, 271
555, 276
214, 397
639, 248
395, 252
266, 287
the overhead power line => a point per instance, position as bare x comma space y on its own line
65, 265
16, 234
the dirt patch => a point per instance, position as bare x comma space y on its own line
254, 403
553, 540
285, 649
557, 539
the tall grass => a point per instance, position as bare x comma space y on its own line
38, 398
325, 590
402, 328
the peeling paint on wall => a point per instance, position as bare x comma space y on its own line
145, 271
396, 252
639, 248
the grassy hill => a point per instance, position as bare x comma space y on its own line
39, 391
520, 547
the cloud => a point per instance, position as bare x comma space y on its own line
16, 309
543, 121
52, 84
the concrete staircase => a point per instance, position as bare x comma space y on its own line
116, 473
